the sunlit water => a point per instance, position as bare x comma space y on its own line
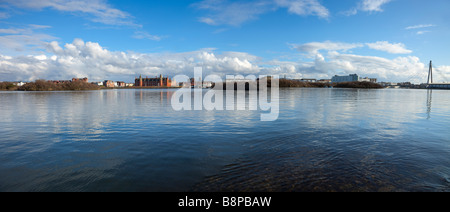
132, 140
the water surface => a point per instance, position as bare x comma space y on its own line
132, 140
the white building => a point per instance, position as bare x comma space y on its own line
349, 78
97, 83
207, 84
352, 78
19, 84
308, 80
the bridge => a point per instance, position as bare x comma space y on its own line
431, 84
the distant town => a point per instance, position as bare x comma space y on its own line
167, 82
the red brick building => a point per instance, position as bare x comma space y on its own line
153, 82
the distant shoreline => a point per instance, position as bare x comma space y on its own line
42, 85
286, 83
125, 88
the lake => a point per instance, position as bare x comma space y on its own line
132, 140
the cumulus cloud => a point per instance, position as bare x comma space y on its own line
393, 48
441, 74
235, 13
332, 58
397, 69
90, 59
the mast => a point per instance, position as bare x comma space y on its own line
430, 74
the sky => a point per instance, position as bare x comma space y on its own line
392, 40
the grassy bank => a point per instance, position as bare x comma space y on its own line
42, 85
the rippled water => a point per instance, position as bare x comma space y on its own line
132, 140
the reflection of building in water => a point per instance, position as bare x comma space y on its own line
153, 82
167, 96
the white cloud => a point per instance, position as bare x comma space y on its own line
421, 26
338, 61
99, 10
81, 59
37, 26
23, 39
441, 74
398, 69
11, 31
235, 13
304, 7
96, 10
422, 32
146, 35
373, 5
367, 6
89, 59
28, 30
209, 21
315, 47
231, 13
393, 48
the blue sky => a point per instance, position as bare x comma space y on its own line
392, 40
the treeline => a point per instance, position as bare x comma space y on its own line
283, 83
367, 85
286, 83
42, 85
7, 86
